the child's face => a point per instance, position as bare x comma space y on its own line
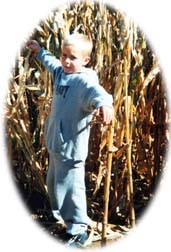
73, 59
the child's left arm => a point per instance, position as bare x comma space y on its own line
106, 112
97, 100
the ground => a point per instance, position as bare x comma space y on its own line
57, 230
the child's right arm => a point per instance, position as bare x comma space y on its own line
47, 59
34, 46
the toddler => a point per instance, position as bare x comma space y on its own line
76, 95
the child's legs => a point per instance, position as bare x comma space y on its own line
71, 196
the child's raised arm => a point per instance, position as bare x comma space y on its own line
45, 57
34, 46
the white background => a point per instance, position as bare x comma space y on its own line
17, 231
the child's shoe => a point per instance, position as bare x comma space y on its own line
80, 240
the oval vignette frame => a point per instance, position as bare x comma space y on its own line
152, 209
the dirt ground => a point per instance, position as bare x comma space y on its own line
57, 230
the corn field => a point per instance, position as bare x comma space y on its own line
138, 137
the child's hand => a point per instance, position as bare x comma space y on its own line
34, 46
107, 113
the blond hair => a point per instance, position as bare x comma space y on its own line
81, 41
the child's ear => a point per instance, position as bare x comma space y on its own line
86, 60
